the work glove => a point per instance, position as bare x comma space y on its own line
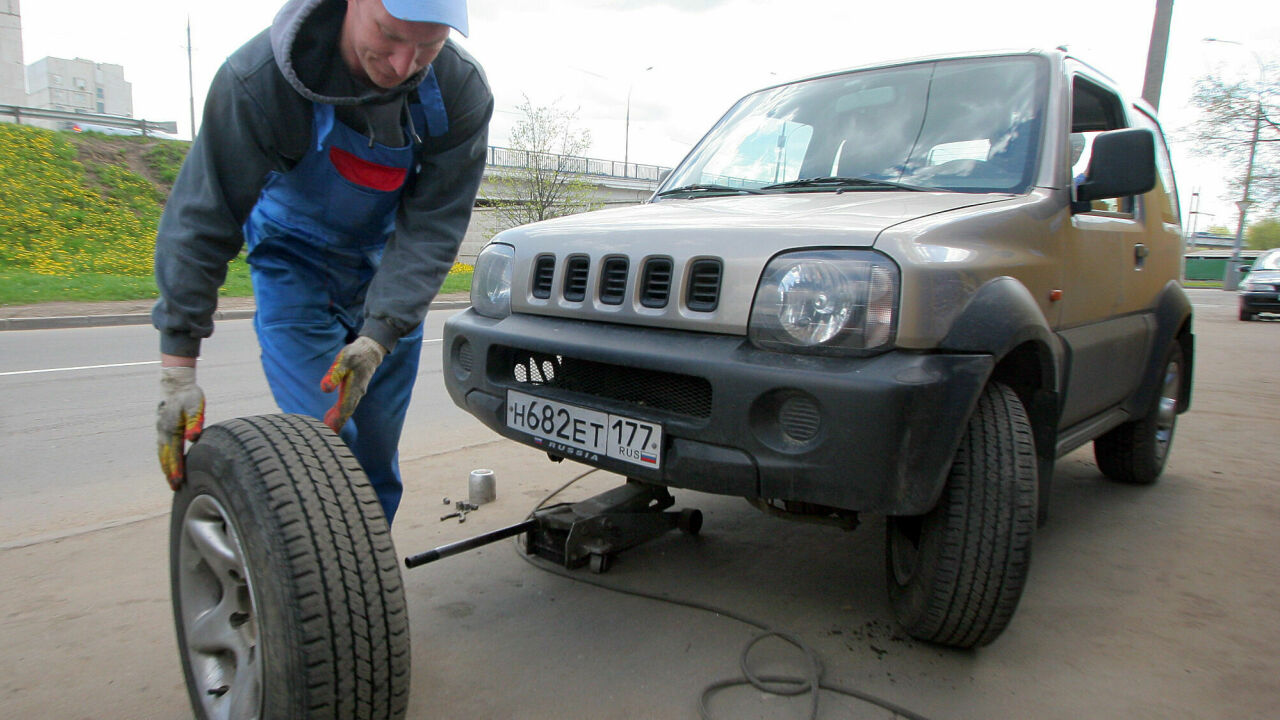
179, 419
349, 375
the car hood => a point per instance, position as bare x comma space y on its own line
755, 225
741, 232
1263, 276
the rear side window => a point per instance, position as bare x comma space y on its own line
1169, 211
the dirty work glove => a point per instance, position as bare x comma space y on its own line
349, 375
179, 419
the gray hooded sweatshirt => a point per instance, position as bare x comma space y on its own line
258, 119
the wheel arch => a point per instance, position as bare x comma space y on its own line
1003, 319
1173, 316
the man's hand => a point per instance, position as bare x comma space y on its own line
179, 419
349, 375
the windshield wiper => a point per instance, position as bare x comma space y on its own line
699, 189
840, 184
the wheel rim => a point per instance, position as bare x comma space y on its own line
904, 548
219, 619
1167, 411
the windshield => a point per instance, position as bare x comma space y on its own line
958, 125
1269, 260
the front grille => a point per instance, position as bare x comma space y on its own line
704, 286
650, 389
544, 268
655, 283
613, 281
575, 278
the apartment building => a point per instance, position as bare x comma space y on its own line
79, 85
13, 89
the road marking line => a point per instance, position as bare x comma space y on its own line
81, 367
113, 365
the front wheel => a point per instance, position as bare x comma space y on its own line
286, 586
955, 575
1136, 451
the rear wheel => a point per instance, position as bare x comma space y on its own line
1136, 451
955, 575
286, 586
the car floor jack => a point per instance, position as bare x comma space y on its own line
589, 532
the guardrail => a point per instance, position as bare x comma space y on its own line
496, 156
508, 157
144, 127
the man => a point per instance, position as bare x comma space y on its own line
345, 145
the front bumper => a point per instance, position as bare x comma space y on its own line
1260, 301
873, 434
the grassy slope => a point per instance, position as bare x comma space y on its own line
78, 215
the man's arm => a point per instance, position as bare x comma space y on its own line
432, 220
200, 230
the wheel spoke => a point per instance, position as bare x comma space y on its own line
216, 548
246, 689
212, 632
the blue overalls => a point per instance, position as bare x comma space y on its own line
315, 240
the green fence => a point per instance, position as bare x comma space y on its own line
1210, 267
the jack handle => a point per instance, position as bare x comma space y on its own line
445, 551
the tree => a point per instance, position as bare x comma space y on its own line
542, 177
1225, 129
1263, 235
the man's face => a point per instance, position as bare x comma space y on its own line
386, 51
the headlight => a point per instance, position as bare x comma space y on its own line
1256, 287
827, 302
491, 282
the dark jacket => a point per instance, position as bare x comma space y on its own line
258, 118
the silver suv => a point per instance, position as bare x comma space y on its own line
903, 290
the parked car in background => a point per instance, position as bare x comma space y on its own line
1260, 289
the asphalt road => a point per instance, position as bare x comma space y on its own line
76, 450
1154, 602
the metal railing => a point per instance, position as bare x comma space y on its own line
507, 157
144, 127
496, 156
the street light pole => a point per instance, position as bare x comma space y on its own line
1231, 280
626, 141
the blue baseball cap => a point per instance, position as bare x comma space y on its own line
444, 12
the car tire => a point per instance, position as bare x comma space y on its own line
287, 595
1136, 451
955, 574
1245, 315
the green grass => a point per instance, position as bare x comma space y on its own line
77, 224
23, 287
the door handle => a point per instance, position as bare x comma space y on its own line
1140, 253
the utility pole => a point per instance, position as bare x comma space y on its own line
1156, 53
191, 86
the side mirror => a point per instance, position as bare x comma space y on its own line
1123, 163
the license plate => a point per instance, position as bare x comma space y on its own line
580, 432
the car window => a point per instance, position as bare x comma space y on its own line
1164, 169
1094, 110
970, 125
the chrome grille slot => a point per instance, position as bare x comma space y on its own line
575, 278
613, 281
544, 269
655, 283
704, 286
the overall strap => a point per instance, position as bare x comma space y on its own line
430, 105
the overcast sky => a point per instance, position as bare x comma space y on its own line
587, 55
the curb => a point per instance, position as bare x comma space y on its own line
85, 321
